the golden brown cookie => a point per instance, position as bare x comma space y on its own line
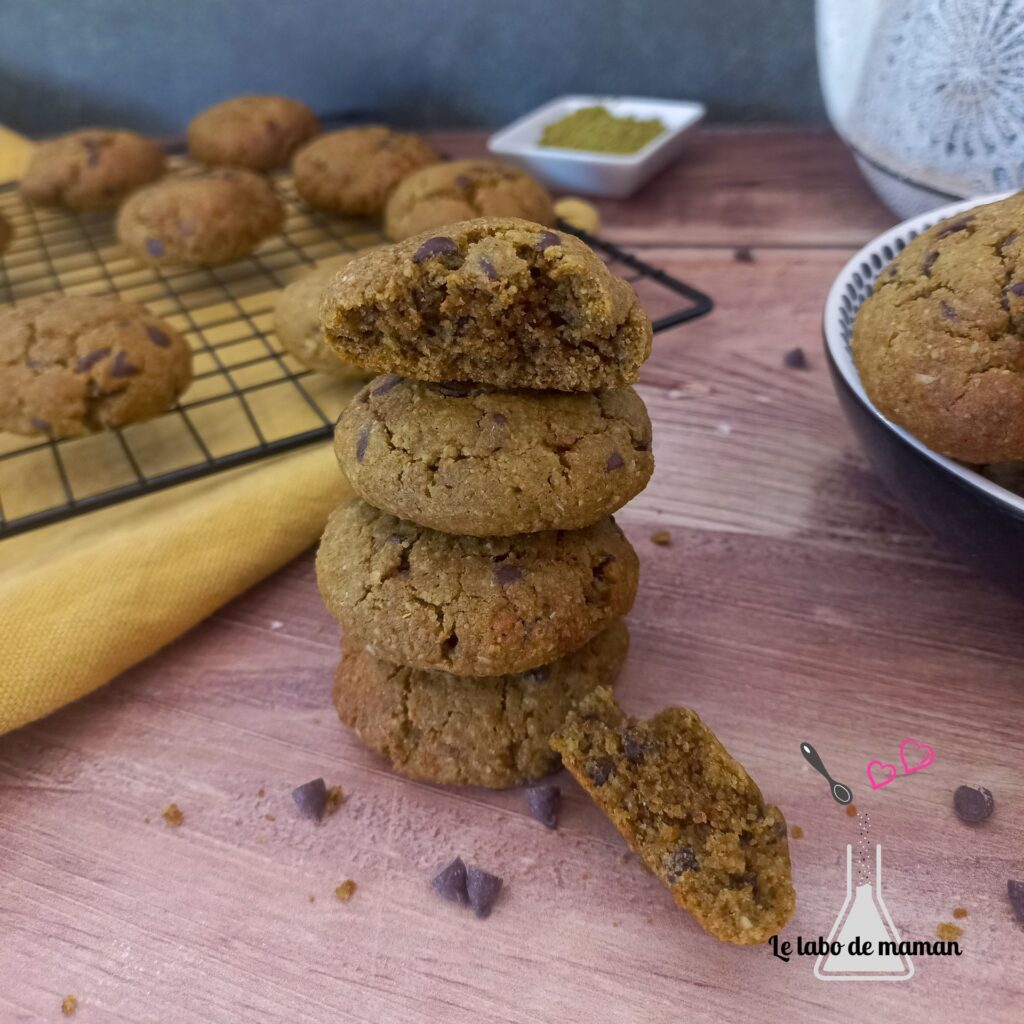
938, 342
501, 302
203, 219
465, 458
256, 132
74, 364
353, 171
91, 169
459, 730
690, 810
471, 606
461, 190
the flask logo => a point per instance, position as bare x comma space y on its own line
863, 944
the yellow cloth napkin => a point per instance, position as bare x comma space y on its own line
82, 600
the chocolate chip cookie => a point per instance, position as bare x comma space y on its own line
353, 171
466, 458
256, 132
74, 364
460, 730
501, 302
938, 342
690, 810
446, 193
471, 606
200, 220
91, 169
297, 321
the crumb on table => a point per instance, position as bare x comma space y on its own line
851, 811
796, 832
335, 798
345, 891
662, 537
948, 931
960, 913
173, 815
69, 1005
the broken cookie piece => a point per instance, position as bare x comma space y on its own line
690, 811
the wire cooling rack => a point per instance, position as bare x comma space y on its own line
249, 399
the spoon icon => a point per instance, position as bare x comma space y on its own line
840, 793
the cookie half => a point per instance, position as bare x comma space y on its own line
461, 730
74, 364
200, 220
691, 812
471, 606
499, 301
468, 459
458, 190
256, 132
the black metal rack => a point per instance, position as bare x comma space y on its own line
245, 388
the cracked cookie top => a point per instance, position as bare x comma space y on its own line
939, 344
471, 606
504, 302
466, 458
91, 169
74, 364
459, 730
461, 190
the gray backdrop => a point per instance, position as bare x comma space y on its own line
151, 64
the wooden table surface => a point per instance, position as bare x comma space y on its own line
795, 602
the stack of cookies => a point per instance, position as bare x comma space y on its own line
479, 576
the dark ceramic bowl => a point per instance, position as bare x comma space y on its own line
979, 521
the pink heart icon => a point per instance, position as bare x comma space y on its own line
879, 783
924, 754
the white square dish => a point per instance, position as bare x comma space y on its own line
611, 175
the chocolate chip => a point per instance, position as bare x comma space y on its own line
385, 384
1017, 288
158, 337
641, 446
547, 240
38, 423
499, 419
544, 802
795, 359
972, 804
506, 574
957, 225
599, 770
948, 312
540, 674
90, 359
361, 442
450, 882
455, 388
679, 862
154, 247
122, 366
1015, 890
463, 181
441, 245
488, 269
743, 255
482, 888
929, 262
615, 461
311, 798
634, 750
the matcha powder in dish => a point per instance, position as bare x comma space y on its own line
597, 130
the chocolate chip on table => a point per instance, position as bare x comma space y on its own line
361, 442
385, 384
599, 770
455, 388
795, 359
679, 862
440, 245
482, 888
505, 575
1015, 890
615, 461
158, 337
972, 804
450, 882
311, 799
544, 802
122, 366
90, 359
547, 240
154, 247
